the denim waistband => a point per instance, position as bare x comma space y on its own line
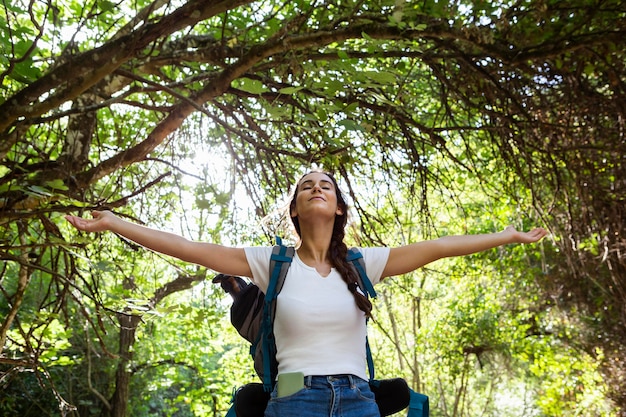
335, 380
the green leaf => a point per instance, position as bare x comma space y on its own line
278, 112
106, 6
40, 191
204, 204
350, 108
6, 187
251, 86
57, 184
382, 77
290, 90
77, 203
420, 26
351, 125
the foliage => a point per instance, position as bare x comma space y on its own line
476, 333
197, 116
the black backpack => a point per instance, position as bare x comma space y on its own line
252, 314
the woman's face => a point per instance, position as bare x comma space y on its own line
316, 194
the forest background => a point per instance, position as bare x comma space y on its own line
197, 117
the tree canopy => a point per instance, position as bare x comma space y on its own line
198, 116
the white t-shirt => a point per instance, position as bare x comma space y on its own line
318, 327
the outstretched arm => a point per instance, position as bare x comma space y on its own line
224, 259
404, 259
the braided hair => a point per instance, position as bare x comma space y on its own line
338, 250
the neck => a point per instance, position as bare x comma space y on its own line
314, 243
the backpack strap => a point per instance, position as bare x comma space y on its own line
279, 265
356, 258
418, 405
280, 261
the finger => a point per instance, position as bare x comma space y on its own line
71, 219
538, 233
79, 223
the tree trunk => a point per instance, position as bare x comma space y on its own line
119, 400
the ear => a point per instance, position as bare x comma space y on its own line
339, 211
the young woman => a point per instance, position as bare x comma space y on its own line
320, 318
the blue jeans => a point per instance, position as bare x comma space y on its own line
326, 396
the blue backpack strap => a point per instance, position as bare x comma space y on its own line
279, 264
370, 359
356, 258
418, 405
231, 411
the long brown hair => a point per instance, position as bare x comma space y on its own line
337, 250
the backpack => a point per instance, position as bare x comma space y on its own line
252, 314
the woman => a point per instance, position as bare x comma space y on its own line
320, 332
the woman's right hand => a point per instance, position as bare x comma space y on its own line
101, 221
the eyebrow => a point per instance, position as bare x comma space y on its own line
310, 181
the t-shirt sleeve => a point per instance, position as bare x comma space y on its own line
259, 260
375, 262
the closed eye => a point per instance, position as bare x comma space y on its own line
324, 185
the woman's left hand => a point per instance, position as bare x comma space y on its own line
531, 236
